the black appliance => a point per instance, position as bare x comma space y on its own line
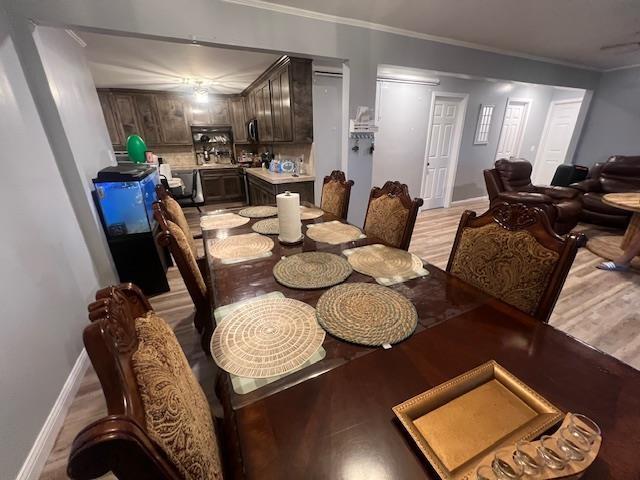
124, 195
252, 131
212, 144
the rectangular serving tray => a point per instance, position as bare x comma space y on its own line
459, 422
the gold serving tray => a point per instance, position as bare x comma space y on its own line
459, 422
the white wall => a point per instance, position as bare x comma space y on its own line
327, 124
47, 274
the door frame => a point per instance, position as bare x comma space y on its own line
463, 99
545, 133
527, 110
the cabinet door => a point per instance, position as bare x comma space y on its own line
127, 113
200, 114
173, 120
276, 108
148, 117
212, 188
285, 98
233, 187
265, 126
238, 122
249, 106
220, 111
110, 117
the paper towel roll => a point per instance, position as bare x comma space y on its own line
289, 217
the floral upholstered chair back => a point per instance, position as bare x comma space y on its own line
512, 253
391, 214
336, 191
174, 213
153, 398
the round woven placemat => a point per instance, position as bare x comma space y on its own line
382, 261
226, 220
268, 226
258, 212
333, 232
308, 213
241, 246
266, 338
310, 270
366, 313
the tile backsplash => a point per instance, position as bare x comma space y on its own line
178, 156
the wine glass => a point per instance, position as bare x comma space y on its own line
583, 426
553, 456
504, 465
527, 455
575, 446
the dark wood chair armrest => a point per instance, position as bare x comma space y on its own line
588, 185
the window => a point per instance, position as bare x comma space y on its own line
484, 124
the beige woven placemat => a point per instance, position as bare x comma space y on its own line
387, 265
268, 226
366, 313
309, 213
334, 232
310, 270
266, 338
240, 248
258, 212
223, 220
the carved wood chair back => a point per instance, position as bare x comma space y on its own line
172, 211
194, 273
512, 253
391, 214
336, 192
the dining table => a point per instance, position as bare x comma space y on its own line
334, 418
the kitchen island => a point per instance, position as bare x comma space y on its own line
265, 185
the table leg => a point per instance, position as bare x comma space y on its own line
632, 230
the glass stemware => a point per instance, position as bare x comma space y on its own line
527, 455
581, 425
554, 457
504, 465
485, 473
575, 446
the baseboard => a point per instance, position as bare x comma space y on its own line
37, 458
469, 200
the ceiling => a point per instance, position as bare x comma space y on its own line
569, 31
125, 62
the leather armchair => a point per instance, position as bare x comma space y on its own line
618, 174
510, 181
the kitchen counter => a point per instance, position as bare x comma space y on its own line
278, 178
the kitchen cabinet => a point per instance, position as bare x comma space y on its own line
281, 106
126, 109
110, 117
262, 192
219, 108
148, 118
264, 115
222, 185
238, 119
199, 114
173, 120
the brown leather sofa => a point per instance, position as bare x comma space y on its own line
618, 174
510, 181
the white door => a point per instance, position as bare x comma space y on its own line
444, 125
512, 129
558, 131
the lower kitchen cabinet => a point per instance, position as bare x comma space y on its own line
223, 185
264, 193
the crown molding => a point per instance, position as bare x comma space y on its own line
625, 67
300, 12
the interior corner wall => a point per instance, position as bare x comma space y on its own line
612, 126
47, 273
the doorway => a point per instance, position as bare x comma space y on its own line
556, 138
513, 128
446, 122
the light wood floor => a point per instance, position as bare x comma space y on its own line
599, 308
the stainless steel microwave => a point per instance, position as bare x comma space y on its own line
252, 131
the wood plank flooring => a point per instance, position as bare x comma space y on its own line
599, 308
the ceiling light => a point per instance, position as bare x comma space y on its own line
201, 95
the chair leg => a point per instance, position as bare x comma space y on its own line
199, 209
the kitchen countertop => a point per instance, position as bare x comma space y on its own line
278, 178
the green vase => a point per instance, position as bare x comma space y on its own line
136, 149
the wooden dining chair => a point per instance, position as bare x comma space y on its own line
391, 214
159, 423
193, 271
336, 192
173, 212
512, 253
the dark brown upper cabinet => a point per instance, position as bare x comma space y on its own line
219, 107
265, 120
148, 118
200, 114
109, 111
125, 106
174, 129
238, 119
281, 106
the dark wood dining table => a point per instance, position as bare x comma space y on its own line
334, 419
